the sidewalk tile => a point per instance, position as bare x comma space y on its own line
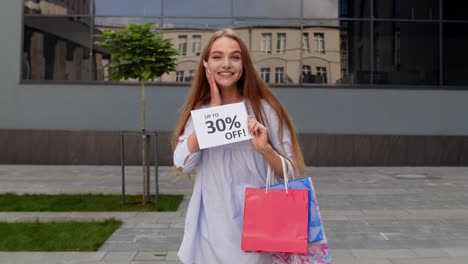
119, 256
151, 255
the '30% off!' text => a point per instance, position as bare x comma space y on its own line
220, 125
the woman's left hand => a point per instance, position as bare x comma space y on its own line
260, 133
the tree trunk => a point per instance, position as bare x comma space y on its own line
143, 145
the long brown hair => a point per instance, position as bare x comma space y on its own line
250, 86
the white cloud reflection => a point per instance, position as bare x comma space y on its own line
321, 8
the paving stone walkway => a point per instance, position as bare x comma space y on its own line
372, 215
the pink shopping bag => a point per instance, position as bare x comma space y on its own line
275, 221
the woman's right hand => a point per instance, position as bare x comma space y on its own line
214, 91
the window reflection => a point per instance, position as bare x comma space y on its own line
281, 62
267, 8
352, 8
56, 48
454, 10
284, 47
54, 7
321, 9
189, 37
321, 56
199, 8
406, 9
406, 53
338, 53
127, 8
275, 48
102, 56
455, 41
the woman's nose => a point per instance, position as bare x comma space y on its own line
226, 62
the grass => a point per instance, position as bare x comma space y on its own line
64, 236
11, 202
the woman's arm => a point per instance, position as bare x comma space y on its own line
192, 143
260, 143
187, 152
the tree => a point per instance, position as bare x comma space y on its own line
138, 52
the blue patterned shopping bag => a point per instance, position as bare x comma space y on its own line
315, 222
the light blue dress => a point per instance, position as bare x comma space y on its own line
213, 224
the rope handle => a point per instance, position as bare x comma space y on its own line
285, 174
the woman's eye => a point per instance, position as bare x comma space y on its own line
216, 57
236, 58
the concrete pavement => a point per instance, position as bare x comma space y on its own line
372, 215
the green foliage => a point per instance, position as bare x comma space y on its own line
138, 52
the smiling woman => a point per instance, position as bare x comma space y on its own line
225, 65
226, 75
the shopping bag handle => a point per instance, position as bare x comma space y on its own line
290, 168
285, 174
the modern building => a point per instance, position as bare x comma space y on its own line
367, 82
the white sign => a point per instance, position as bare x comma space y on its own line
221, 125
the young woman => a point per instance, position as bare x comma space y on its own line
213, 223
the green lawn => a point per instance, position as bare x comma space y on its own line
66, 236
10, 202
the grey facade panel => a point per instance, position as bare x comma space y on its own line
115, 107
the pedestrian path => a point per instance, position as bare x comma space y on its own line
372, 215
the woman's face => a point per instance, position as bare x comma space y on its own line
225, 62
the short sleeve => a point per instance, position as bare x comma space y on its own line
181, 151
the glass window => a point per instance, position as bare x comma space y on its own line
59, 43
200, 8
182, 45
280, 42
306, 70
349, 8
116, 23
127, 8
454, 10
196, 45
190, 76
252, 32
203, 24
319, 41
406, 53
305, 42
279, 75
455, 41
265, 74
321, 9
54, 7
322, 74
200, 31
101, 56
345, 56
56, 48
406, 9
266, 43
354, 46
179, 76
307, 74
197, 31
270, 8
